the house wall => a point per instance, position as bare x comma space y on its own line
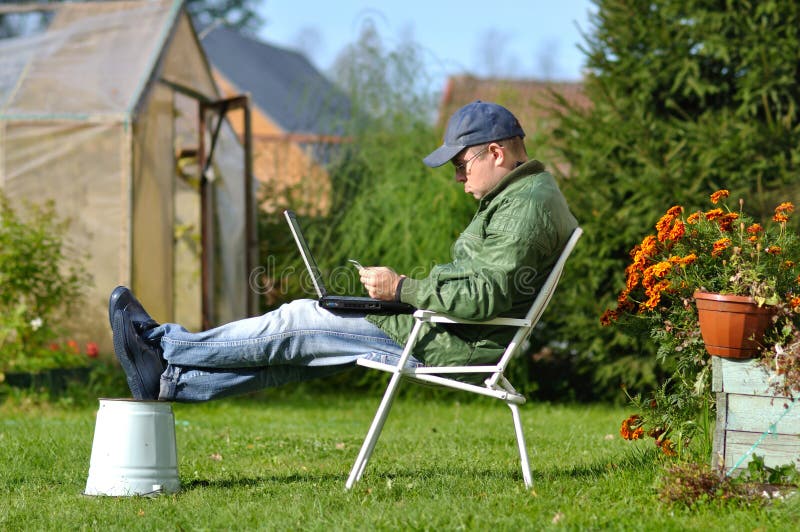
287, 174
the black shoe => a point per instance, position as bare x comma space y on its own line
140, 360
122, 299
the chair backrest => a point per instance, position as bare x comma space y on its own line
541, 301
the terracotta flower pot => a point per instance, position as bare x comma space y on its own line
732, 326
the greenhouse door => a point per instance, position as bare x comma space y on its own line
228, 238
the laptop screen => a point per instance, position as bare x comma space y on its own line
308, 259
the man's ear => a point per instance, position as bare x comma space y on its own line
498, 153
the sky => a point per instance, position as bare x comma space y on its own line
535, 39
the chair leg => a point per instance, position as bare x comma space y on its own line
374, 431
523, 452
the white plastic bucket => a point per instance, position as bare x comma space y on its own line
134, 450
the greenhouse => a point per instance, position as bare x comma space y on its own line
110, 110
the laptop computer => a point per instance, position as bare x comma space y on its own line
334, 302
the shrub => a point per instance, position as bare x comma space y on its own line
39, 286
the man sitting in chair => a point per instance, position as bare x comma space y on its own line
499, 263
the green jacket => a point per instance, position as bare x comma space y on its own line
499, 263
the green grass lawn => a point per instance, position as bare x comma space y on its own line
280, 461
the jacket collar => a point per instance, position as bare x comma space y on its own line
530, 167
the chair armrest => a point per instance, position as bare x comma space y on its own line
436, 317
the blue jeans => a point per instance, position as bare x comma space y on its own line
296, 342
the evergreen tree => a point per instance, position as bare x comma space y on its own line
688, 96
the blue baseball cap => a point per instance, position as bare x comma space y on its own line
475, 123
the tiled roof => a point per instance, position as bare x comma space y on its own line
283, 83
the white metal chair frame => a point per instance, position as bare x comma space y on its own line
496, 385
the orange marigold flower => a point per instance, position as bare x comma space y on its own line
795, 302
774, 250
682, 261
720, 246
788, 264
667, 447
626, 306
658, 288
677, 231
663, 225
623, 303
638, 260
755, 229
726, 221
608, 317
693, 218
657, 271
635, 265
781, 210
623, 296
753, 238
718, 195
654, 295
713, 214
641, 252
631, 426
632, 280
649, 246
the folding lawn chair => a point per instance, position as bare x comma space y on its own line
495, 385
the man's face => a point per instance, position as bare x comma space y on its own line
476, 169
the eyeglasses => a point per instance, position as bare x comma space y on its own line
461, 168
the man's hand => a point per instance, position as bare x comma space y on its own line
380, 282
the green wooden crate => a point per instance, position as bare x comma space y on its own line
746, 408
